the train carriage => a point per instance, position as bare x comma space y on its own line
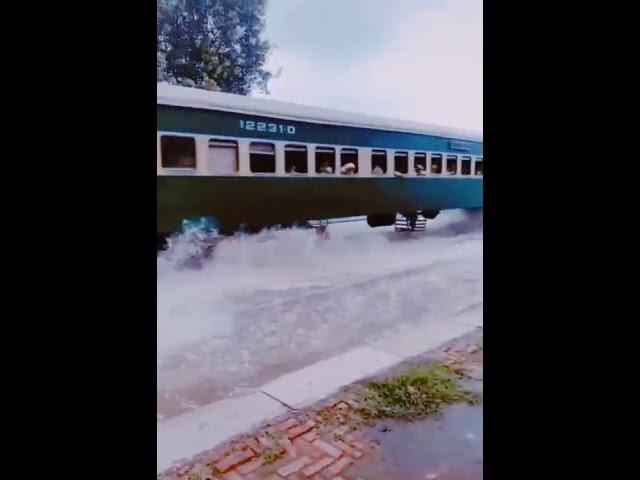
259, 162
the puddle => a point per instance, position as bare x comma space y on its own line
445, 447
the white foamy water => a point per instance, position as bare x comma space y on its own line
271, 303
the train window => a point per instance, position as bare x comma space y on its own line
452, 164
402, 162
178, 152
349, 161
295, 159
222, 157
325, 160
420, 163
479, 166
436, 164
379, 162
262, 157
466, 166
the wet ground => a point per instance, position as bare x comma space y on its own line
268, 305
446, 446
449, 446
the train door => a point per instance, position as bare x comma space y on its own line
222, 157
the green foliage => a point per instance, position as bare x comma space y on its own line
212, 44
419, 392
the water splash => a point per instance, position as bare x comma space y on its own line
265, 304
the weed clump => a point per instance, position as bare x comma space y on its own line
419, 392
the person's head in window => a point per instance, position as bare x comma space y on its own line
348, 168
325, 167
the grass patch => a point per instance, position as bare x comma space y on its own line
419, 392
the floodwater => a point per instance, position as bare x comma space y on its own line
269, 304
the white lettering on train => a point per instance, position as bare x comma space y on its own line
267, 127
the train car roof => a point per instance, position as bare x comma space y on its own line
196, 98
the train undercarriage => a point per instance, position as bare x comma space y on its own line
207, 237
200, 243
403, 222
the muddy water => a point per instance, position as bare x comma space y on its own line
448, 447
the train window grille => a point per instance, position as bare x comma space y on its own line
177, 152
452, 164
478, 167
295, 159
325, 160
222, 157
401, 160
466, 166
379, 162
420, 163
436, 164
262, 157
349, 161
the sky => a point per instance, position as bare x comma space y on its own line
406, 59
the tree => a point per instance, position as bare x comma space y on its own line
212, 44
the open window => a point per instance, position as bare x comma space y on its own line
325, 160
262, 157
401, 160
222, 157
436, 164
478, 169
452, 164
420, 163
177, 152
295, 159
379, 162
466, 166
349, 161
